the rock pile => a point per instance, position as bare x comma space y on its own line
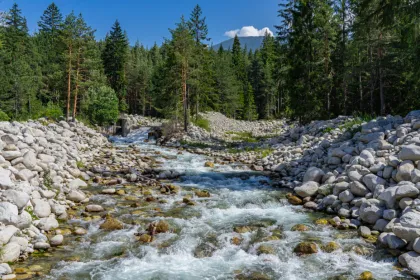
369, 178
39, 181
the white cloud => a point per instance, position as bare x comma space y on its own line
248, 31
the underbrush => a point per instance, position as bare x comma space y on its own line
203, 123
242, 136
195, 144
264, 152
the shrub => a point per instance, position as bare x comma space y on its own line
103, 108
52, 111
203, 123
3, 117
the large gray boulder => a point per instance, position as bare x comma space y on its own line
313, 174
9, 214
411, 260
404, 171
10, 252
408, 226
76, 196
371, 181
29, 160
41, 208
406, 189
358, 189
410, 152
20, 199
5, 181
371, 210
389, 197
307, 189
7, 233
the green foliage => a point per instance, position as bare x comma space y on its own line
195, 144
242, 136
203, 123
103, 107
52, 111
80, 164
3, 117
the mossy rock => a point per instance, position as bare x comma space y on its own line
111, 223
236, 240
21, 270
131, 198
300, 227
305, 248
252, 276
371, 239
202, 193
242, 229
265, 249
120, 192
366, 275
145, 238
294, 200
159, 227
330, 247
323, 222
209, 164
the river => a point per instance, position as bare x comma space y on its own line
202, 243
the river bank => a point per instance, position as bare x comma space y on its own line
145, 208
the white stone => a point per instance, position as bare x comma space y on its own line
41, 208
77, 183
307, 189
8, 213
10, 252
20, 199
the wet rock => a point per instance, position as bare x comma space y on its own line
294, 200
236, 240
242, 229
42, 245
307, 189
202, 193
209, 164
313, 174
265, 249
80, 231
145, 238
111, 223
364, 231
306, 248
94, 208
366, 275
76, 196
410, 260
330, 247
56, 240
321, 222
299, 227
108, 191
159, 227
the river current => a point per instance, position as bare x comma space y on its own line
200, 246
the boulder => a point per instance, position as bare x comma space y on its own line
46, 158
10, 252
371, 211
307, 189
304, 248
406, 190
371, 181
20, 199
56, 240
41, 208
94, 208
77, 183
358, 188
5, 180
416, 245
411, 260
404, 171
313, 174
29, 160
9, 214
48, 223
389, 197
76, 196
346, 196
410, 152
408, 226
7, 233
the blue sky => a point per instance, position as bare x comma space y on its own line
149, 20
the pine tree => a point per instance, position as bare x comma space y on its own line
198, 25
114, 57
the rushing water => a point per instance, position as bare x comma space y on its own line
199, 245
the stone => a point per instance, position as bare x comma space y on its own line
307, 189
94, 208
42, 245
209, 164
29, 160
48, 223
390, 214
389, 197
42, 208
330, 247
11, 155
405, 202
366, 275
9, 139
371, 180
46, 158
145, 238
80, 231
313, 174
300, 227
111, 223
77, 183
410, 260
416, 245
10, 252
5, 269
294, 200
409, 152
20, 199
9, 214
22, 241
76, 196
406, 190
304, 248
265, 249
358, 189
408, 227
25, 175
108, 191
371, 211
5, 180
364, 231
346, 196
7, 233
404, 171
376, 136
56, 240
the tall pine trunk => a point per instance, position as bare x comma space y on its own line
69, 85
76, 90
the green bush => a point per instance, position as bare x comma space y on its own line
203, 123
103, 108
52, 111
3, 117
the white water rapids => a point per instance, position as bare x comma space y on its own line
238, 197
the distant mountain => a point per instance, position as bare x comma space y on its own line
252, 43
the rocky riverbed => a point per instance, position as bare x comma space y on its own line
73, 206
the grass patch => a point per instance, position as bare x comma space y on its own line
263, 151
242, 136
80, 164
48, 182
203, 123
30, 210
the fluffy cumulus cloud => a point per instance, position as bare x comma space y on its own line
248, 31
